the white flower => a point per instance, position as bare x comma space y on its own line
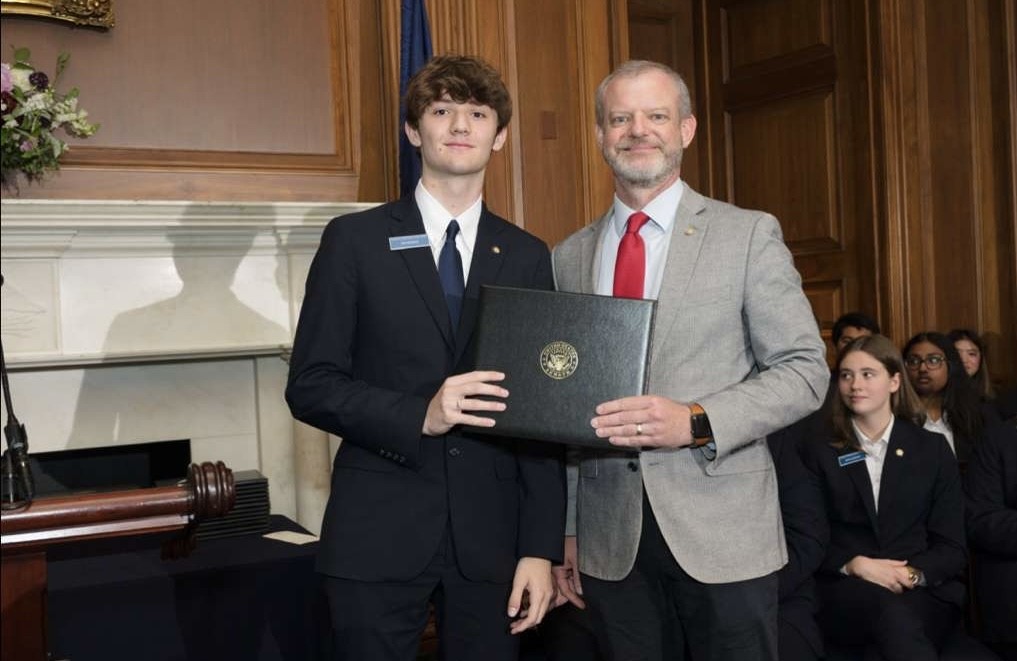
81, 128
35, 103
19, 77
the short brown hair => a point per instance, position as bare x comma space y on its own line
464, 79
904, 403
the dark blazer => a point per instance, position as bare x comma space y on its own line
805, 530
373, 345
991, 484
921, 508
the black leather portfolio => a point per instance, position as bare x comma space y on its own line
562, 354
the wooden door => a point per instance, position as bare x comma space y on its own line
783, 89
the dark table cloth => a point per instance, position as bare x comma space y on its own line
245, 598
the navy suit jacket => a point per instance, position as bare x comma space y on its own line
921, 508
805, 529
373, 345
991, 483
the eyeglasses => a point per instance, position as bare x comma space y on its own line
933, 362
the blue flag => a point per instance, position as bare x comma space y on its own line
414, 51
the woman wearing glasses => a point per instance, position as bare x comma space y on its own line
952, 405
890, 578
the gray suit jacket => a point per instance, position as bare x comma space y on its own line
734, 332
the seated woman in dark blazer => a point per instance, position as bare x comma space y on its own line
991, 486
806, 533
890, 578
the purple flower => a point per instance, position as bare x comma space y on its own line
6, 84
39, 80
27, 145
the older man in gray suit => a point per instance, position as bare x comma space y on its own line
679, 531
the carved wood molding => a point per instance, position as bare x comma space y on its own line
112, 157
90, 13
191, 183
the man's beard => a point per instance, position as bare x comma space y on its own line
645, 176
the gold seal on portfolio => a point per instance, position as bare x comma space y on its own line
559, 360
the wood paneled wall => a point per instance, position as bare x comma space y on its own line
210, 100
563, 180
550, 178
789, 132
880, 132
948, 165
662, 31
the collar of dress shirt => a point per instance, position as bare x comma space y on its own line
941, 426
661, 209
877, 446
436, 218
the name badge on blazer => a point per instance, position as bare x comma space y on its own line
407, 242
850, 458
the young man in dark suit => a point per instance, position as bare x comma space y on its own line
422, 511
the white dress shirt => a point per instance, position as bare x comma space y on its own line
436, 219
940, 426
875, 455
656, 235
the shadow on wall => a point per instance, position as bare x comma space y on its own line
216, 273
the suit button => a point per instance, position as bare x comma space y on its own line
633, 466
454, 452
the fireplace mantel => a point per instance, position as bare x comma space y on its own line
96, 282
131, 322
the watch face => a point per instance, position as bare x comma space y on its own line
701, 426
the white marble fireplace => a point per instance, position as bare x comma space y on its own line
127, 322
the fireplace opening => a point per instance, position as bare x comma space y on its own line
112, 468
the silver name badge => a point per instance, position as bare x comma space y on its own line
407, 242
852, 458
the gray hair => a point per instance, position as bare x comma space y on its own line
633, 68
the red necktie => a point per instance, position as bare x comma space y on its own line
630, 267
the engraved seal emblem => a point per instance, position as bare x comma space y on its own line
559, 360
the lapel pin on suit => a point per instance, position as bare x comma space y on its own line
899, 452
496, 250
690, 230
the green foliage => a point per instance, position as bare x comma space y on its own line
31, 112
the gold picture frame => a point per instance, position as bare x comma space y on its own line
91, 13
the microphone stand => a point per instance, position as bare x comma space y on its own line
17, 472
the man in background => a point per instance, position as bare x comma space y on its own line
851, 326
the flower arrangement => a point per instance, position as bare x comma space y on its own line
32, 111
